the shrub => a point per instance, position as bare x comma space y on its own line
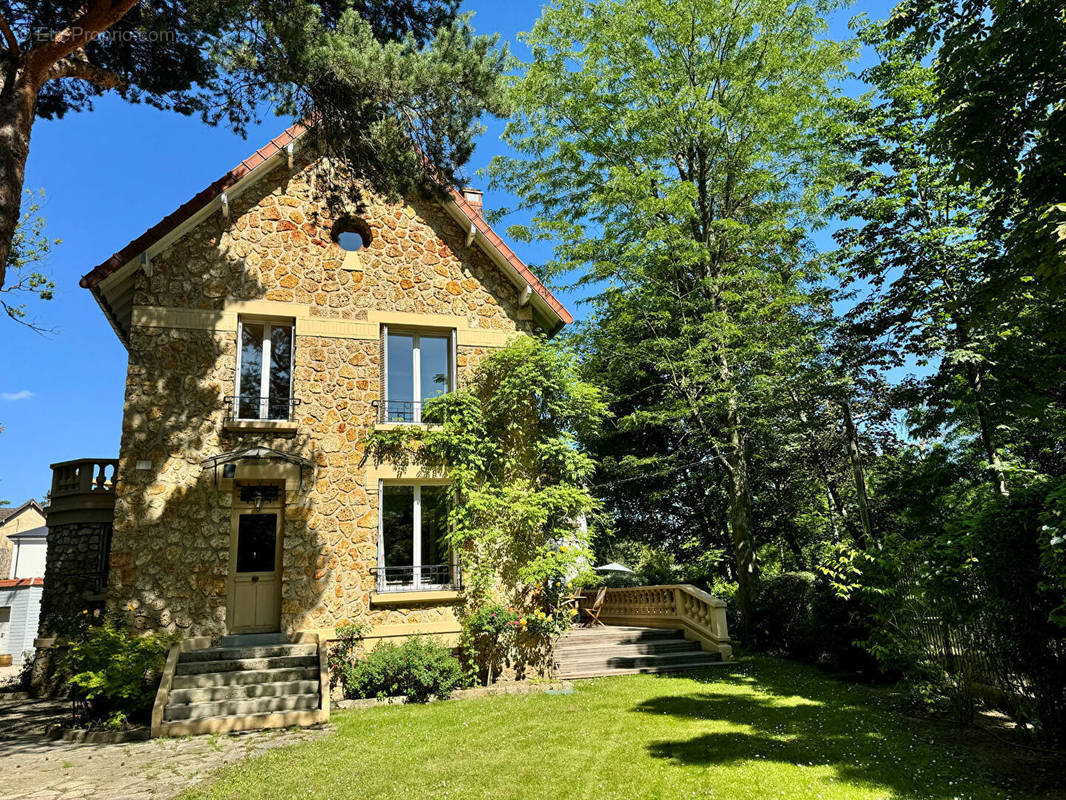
114, 672
797, 614
345, 651
419, 668
784, 614
486, 637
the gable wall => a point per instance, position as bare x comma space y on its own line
170, 547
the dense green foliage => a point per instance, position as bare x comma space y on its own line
115, 670
762, 729
874, 434
1000, 78
517, 494
345, 650
678, 156
418, 669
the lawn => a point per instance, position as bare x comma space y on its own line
758, 729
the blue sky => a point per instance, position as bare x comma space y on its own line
108, 175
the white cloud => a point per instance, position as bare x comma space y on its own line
22, 394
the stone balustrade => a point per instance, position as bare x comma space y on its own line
83, 476
699, 614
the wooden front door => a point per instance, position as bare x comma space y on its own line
255, 571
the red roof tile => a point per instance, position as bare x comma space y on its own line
170, 222
21, 583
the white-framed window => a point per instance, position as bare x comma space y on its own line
264, 370
419, 366
412, 546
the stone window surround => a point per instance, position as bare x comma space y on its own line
416, 333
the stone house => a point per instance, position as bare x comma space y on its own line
267, 336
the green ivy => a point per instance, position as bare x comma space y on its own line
518, 493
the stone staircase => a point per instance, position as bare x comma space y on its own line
623, 650
245, 683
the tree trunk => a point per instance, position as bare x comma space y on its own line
855, 456
987, 437
18, 104
740, 522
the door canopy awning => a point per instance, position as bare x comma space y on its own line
255, 454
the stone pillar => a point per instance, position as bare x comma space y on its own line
79, 516
75, 577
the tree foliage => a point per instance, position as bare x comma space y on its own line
29, 248
393, 89
678, 156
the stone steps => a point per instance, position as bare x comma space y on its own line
243, 691
246, 683
205, 679
243, 708
594, 652
245, 664
238, 653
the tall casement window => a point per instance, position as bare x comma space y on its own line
264, 370
418, 367
412, 549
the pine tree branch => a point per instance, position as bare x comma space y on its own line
76, 68
9, 35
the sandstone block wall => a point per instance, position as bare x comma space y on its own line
170, 548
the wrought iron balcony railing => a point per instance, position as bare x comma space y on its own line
409, 411
424, 578
252, 406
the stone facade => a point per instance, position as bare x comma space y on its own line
76, 573
170, 548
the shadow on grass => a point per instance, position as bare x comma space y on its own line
795, 716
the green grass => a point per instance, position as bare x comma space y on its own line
758, 729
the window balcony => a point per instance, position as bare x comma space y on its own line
250, 412
403, 412
424, 578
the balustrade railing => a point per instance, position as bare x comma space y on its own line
83, 476
677, 605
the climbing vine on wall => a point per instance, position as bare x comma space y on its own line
518, 494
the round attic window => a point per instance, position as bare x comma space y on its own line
350, 241
352, 234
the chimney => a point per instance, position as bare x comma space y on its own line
473, 197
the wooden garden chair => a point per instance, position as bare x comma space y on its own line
592, 613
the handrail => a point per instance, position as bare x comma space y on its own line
701, 615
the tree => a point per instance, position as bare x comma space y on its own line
1000, 75
677, 154
921, 248
29, 247
393, 88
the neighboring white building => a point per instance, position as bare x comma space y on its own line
20, 609
29, 553
24, 548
